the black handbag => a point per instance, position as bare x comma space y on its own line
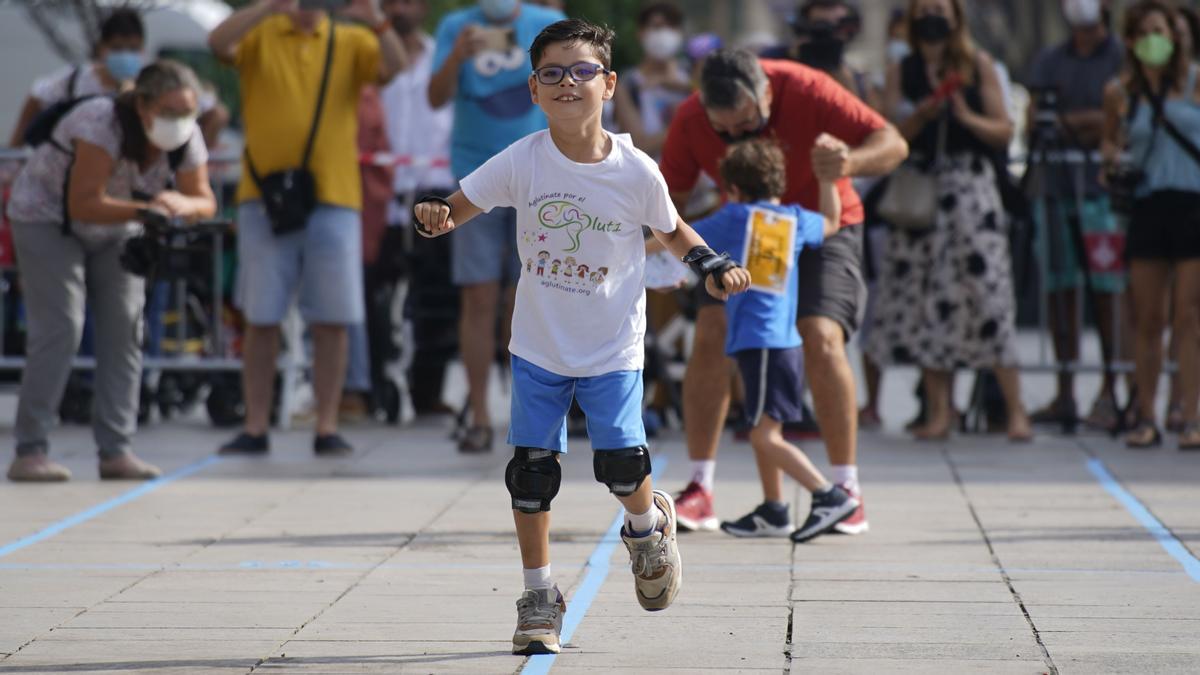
290, 195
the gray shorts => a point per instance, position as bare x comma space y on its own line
323, 263
485, 250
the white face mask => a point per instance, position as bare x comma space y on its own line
169, 133
662, 43
897, 50
1082, 13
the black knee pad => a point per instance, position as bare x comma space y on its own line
622, 470
532, 477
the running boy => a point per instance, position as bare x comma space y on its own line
762, 337
581, 195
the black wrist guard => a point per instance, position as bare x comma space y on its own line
705, 262
421, 227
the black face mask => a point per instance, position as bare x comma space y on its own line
730, 139
824, 53
931, 28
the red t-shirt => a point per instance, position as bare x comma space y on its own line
805, 103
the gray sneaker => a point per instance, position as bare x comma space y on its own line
654, 559
539, 622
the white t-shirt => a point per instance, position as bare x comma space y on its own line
581, 300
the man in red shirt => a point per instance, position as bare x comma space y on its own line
742, 97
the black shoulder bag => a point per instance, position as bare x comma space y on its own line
290, 195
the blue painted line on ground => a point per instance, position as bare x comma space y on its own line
598, 566
100, 509
1165, 538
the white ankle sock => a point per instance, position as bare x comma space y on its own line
538, 579
846, 475
641, 523
703, 471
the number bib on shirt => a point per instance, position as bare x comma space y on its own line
769, 251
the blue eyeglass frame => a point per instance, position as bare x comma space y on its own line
569, 70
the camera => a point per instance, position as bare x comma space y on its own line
1045, 107
1123, 181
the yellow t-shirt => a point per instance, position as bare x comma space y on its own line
280, 73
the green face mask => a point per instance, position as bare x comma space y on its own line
1154, 50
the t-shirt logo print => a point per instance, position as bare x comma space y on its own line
567, 216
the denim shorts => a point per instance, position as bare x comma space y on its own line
484, 250
323, 263
541, 399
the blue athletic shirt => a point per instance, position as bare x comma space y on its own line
765, 316
492, 107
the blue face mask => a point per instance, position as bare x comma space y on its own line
498, 10
124, 65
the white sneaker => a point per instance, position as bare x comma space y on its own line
539, 622
654, 559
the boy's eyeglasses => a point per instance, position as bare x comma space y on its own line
580, 72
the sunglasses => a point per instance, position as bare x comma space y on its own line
579, 72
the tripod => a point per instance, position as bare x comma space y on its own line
1050, 168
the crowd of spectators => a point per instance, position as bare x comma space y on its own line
379, 111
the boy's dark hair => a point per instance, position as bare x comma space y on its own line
669, 11
574, 31
757, 168
729, 74
122, 23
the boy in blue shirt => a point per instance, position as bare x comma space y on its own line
582, 196
767, 238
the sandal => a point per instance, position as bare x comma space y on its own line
475, 440
1189, 438
1175, 422
1056, 413
1144, 435
1104, 415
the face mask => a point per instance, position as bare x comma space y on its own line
123, 64
897, 50
498, 10
1154, 50
931, 28
1082, 13
824, 53
730, 139
169, 133
662, 43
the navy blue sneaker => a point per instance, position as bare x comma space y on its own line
828, 510
763, 521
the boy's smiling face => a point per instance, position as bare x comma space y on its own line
569, 100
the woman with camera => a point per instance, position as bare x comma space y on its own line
1154, 111
946, 296
73, 208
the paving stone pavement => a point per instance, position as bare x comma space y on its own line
982, 557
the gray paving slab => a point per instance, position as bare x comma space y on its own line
401, 559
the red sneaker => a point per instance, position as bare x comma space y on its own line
857, 522
694, 509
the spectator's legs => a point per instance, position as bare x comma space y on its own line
260, 349
1018, 420
939, 411
54, 307
706, 385
358, 367
831, 381
1149, 282
1187, 328
1064, 328
873, 378
477, 341
116, 298
330, 342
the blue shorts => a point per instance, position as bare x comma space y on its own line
774, 382
540, 400
323, 262
485, 250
